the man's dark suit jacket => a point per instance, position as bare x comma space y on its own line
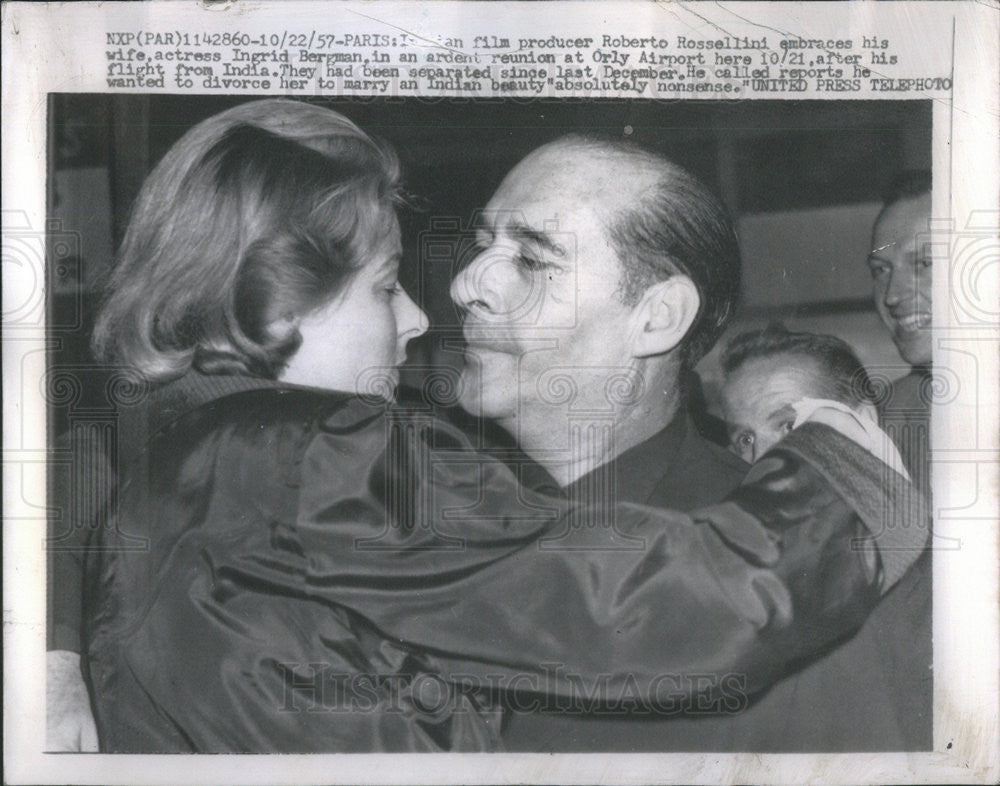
872, 693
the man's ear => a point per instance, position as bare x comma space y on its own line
663, 316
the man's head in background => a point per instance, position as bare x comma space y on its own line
769, 371
900, 264
603, 270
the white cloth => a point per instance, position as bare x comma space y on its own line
857, 426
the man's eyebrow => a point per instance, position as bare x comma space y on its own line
874, 251
780, 413
481, 223
733, 428
520, 231
542, 239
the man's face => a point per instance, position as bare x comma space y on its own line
758, 398
544, 324
900, 264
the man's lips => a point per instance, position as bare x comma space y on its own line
489, 339
479, 348
909, 323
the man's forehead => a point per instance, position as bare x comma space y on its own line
765, 376
529, 213
905, 218
569, 177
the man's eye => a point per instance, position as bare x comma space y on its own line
878, 271
786, 427
529, 262
742, 445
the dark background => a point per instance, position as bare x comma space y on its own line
802, 178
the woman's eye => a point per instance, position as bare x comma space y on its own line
786, 427
745, 440
393, 290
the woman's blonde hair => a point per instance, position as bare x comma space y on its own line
258, 213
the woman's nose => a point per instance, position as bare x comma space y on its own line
414, 322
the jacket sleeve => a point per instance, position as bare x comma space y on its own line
81, 478
444, 552
369, 554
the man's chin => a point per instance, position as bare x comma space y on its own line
915, 349
480, 398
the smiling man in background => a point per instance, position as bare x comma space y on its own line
900, 265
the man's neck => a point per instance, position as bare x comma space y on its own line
569, 446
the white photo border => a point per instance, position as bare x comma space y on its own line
52, 48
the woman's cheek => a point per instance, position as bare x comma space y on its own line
382, 341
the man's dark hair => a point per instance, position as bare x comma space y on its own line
677, 227
908, 184
842, 376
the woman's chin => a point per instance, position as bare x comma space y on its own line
376, 383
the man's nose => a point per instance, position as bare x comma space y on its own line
900, 287
760, 446
477, 287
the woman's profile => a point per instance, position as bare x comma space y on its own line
262, 252
264, 245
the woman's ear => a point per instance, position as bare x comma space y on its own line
664, 315
283, 328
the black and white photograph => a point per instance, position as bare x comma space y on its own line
396, 424
269, 547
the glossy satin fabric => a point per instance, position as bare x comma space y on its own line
873, 692
324, 575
